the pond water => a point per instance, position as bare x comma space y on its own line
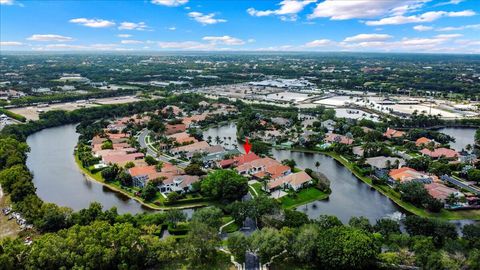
463, 136
58, 179
350, 196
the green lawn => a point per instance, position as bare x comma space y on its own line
302, 197
257, 187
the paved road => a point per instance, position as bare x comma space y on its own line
252, 262
152, 151
461, 184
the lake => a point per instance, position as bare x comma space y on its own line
59, 180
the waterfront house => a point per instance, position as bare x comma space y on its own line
255, 166
337, 138
121, 159
295, 181
190, 148
182, 138
173, 109
424, 141
392, 133
178, 183
407, 174
237, 160
383, 162
273, 172
441, 192
440, 152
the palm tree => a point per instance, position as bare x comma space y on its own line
217, 139
317, 164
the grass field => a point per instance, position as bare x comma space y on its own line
302, 197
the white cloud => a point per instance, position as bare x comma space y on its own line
227, 40
368, 38
131, 41
425, 17
6, 2
124, 35
94, 23
74, 47
463, 27
318, 43
205, 18
170, 3
141, 26
49, 37
422, 28
360, 9
449, 36
251, 40
451, 2
186, 45
288, 9
10, 43
172, 28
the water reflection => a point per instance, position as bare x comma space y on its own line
58, 179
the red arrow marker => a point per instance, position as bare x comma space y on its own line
247, 146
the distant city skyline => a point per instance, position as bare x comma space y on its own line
420, 26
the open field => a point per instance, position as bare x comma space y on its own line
33, 112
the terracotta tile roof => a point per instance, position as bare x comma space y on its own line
422, 140
121, 158
293, 179
183, 137
112, 136
406, 174
98, 140
172, 129
258, 163
440, 152
392, 133
152, 173
198, 146
439, 191
194, 118
332, 137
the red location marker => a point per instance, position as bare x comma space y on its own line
247, 146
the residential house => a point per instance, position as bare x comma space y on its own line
273, 172
392, 133
171, 108
406, 174
238, 160
424, 141
329, 125
441, 192
182, 138
281, 121
179, 183
255, 166
174, 128
295, 181
332, 137
190, 148
142, 174
440, 152
382, 162
121, 159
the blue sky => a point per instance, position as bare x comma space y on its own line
433, 26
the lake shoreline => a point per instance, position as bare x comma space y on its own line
409, 208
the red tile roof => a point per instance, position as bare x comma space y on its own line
392, 133
440, 152
422, 140
332, 137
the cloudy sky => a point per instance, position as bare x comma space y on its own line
431, 26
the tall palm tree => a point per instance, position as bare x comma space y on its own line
317, 164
